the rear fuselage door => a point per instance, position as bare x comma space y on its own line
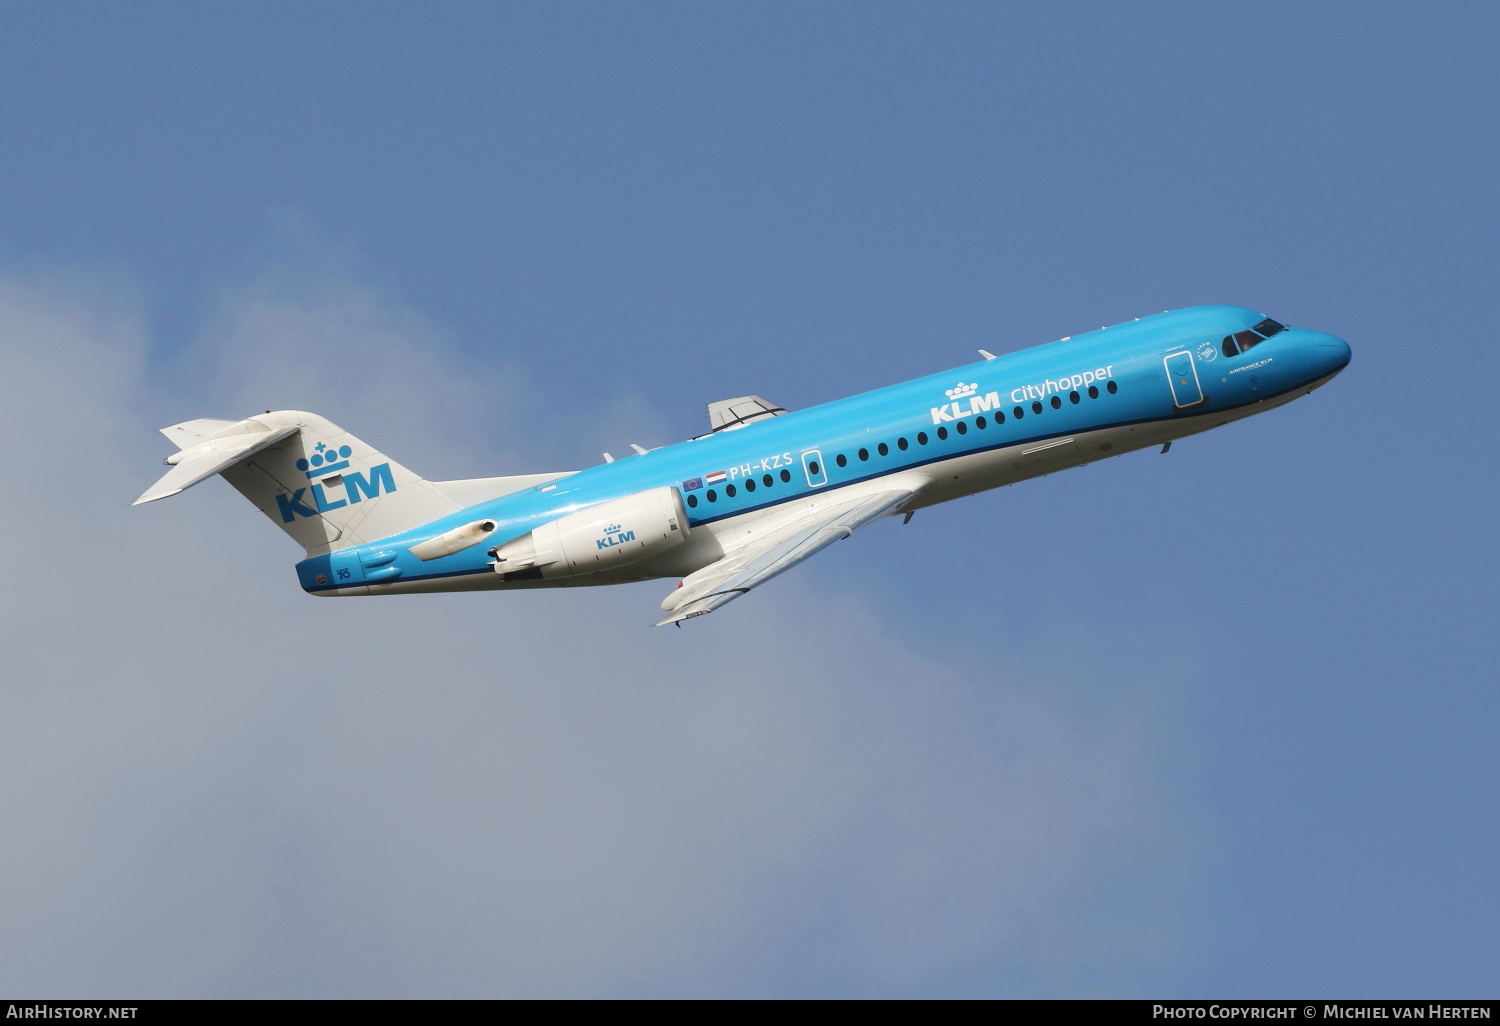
1182, 375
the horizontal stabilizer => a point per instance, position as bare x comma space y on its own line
213, 454
190, 432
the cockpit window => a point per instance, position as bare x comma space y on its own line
1240, 341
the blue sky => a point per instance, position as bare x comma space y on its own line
1212, 723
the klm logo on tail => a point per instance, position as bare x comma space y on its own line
325, 460
323, 463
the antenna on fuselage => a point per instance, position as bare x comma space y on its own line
986, 354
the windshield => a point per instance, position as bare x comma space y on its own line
1240, 341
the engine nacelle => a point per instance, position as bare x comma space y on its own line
612, 534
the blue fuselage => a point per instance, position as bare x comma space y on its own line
979, 426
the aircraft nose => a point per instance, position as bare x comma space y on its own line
1330, 354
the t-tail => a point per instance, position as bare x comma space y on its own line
313, 479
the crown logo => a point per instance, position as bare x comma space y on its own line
612, 529
962, 391
325, 460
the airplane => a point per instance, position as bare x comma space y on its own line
764, 488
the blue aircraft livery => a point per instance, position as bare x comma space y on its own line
765, 488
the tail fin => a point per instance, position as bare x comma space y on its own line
313, 479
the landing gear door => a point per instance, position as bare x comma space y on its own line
812, 466
1182, 375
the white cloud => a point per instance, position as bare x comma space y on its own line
217, 786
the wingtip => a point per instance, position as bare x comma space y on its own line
151, 496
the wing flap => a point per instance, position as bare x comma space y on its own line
729, 578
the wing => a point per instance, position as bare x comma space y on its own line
728, 414
783, 548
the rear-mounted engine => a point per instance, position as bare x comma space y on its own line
612, 534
